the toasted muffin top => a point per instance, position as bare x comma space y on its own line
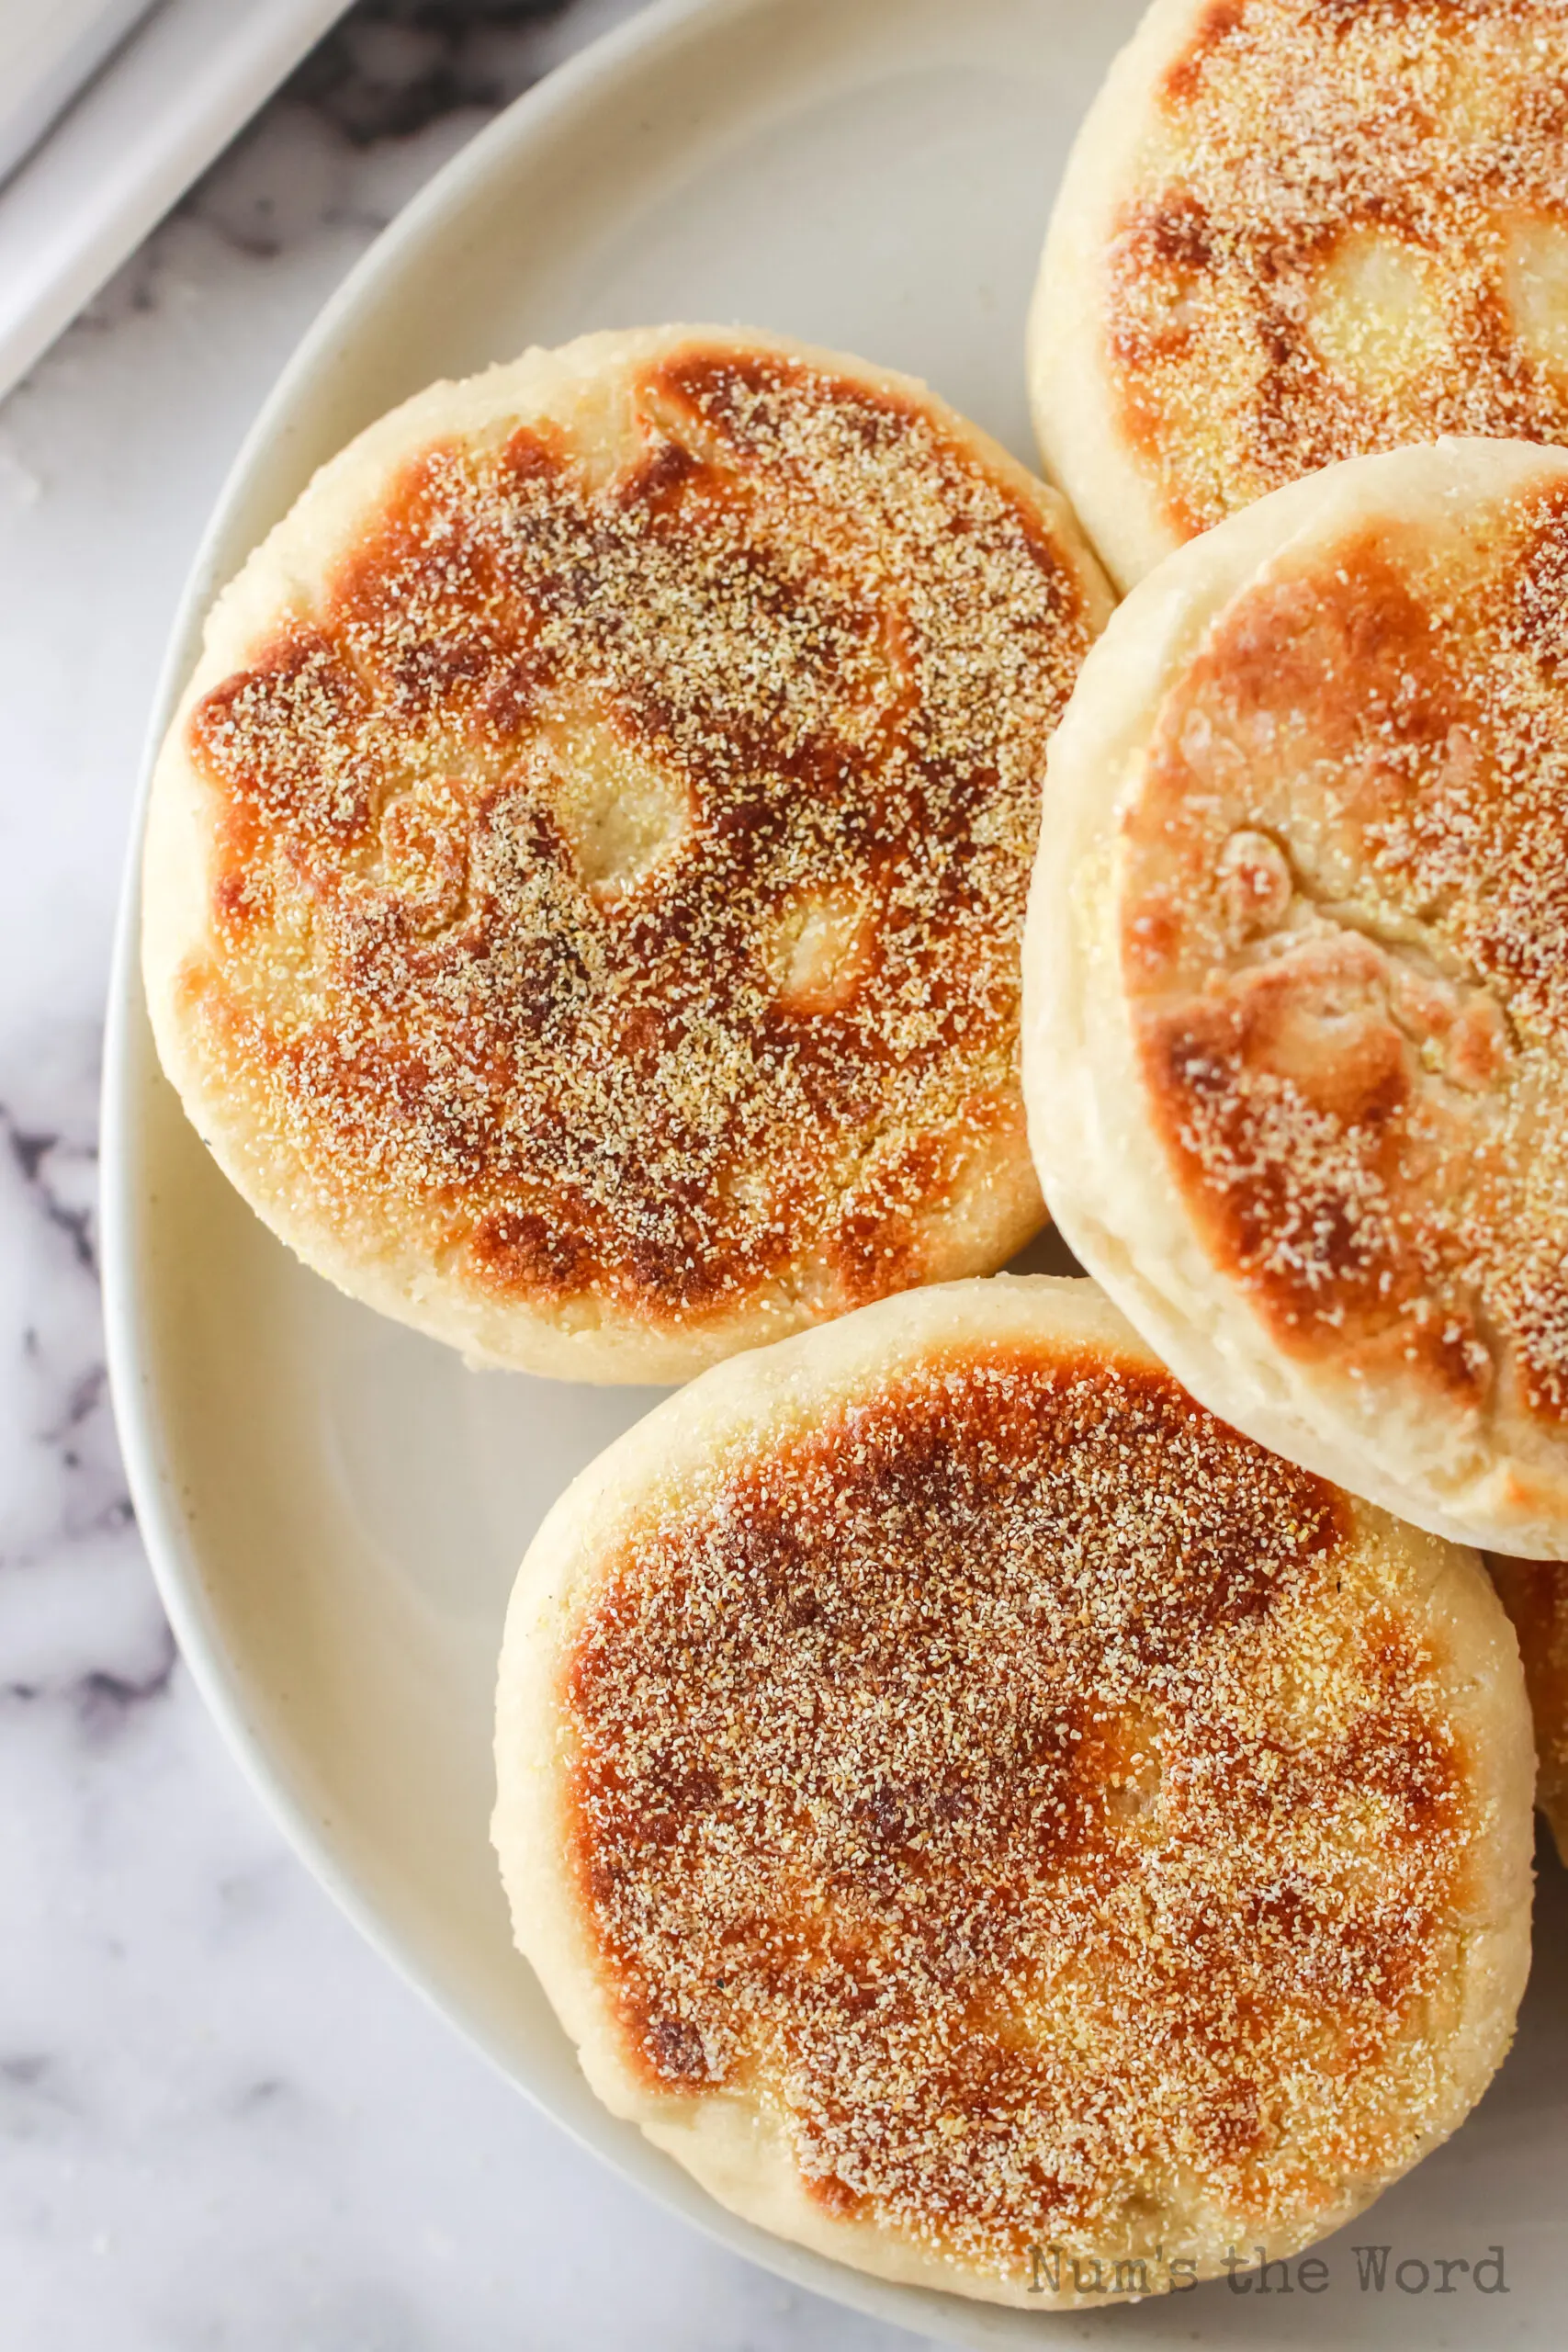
1330, 227
1046, 1809
1343, 917
617, 863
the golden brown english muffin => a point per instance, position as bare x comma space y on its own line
585, 876
1293, 231
1296, 979
1535, 1594
996, 1825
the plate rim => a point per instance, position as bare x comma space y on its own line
173, 1553
169, 1539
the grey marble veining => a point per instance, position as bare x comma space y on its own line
223, 2121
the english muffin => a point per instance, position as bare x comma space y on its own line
1293, 231
1535, 1594
1296, 979
996, 1825
584, 878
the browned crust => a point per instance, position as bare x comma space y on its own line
1289, 135
1344, 895
1008, 1784
840, 643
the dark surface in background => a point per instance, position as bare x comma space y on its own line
392, 66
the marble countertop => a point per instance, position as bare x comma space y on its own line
223, 2121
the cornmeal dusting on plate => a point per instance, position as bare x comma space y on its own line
1020, 1785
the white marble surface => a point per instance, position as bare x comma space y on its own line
223, 2122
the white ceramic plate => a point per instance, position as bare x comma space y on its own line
335, 1508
